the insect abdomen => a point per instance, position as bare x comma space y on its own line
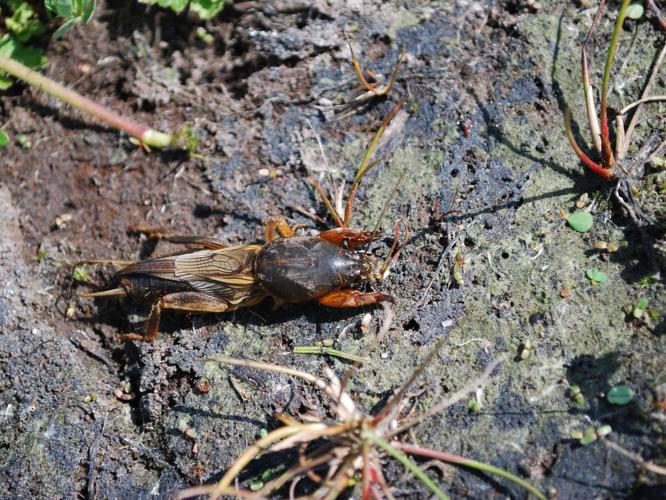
146, 289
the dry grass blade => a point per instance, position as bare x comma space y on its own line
349, 449
648, 86
657, 469
318, 382
389, 412
446, 403
592, 118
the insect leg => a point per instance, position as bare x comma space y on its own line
157, 234
353, 237
352, 298
278, 226
183, 302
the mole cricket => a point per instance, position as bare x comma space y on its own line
216, 278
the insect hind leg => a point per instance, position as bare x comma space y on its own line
182, 302
180, 239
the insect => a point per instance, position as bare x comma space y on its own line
216, 278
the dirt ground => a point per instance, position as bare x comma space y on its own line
479, 139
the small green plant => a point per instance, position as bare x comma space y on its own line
20, 26
576, 395
606, 166
640, 314
596, 276
580, 221
205, 9
646, 281
591, 434
23, 23
353, 448
620, 395
24, 141
81, 273
639, 308
72, 11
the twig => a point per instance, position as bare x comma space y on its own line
389, 315
320, 349
657, 13
435, 275
92, 459
634, 119
329, 170
653, 98
592, 119
318, 382
442, 405
657, 469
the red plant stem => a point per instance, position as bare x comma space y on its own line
365, 491
606, 149
457, 459
429, 452
605, 173
41, 82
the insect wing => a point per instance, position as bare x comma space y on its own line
226, 273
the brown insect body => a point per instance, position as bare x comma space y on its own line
222, 279
301, 269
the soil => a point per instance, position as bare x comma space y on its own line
479, 140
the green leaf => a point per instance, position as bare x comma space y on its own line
604, 430
581, 221
175, 5
206, 9
73, 11
595, 275
589, 436
620, 395
4, 139
63, 8
69, 24
642, 303
11, 47
635, 11
24, 23
88, 10
5, 82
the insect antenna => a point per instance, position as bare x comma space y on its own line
366, 165
394, 251
116, 292
327, 202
